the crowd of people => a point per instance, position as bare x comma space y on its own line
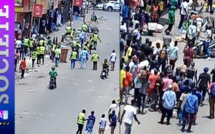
150, 72
37, 47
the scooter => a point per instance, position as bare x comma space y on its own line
198, 46
103, 74
52, 84
212, 49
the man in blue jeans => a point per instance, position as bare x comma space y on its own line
208, 40
129, 113
190, 109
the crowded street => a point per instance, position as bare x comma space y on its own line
55, 111
149, 120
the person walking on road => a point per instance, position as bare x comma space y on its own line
34, 57
190, 109
212, 100
208, 39
169, 99
57, 56
173, 53
95, 59
74, 57
84, 57
90, 123
113, 121
171, 20
188, 55
183, 12
129, 113
213, 74
95, 40
203, 82
102, 124
113, 107
113, 58
23, 67
80, 121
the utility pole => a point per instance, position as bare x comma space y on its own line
71, 18
87, 6
32, 19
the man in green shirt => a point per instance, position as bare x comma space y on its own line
171, 20
53, 75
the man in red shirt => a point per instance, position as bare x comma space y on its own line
152, 92
23, 67
188, 55
127, 83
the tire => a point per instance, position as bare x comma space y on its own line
110, 9
212, 53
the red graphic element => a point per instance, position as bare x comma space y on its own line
38, 10
78, 3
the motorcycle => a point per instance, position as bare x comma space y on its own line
52, 84
212, 49
92, 29
103, 74
198, 46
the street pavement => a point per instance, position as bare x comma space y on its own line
43, 111
149, 121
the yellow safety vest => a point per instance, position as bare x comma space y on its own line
34, 55
26, 41
31, 43
84, 27
95, 37
43, 49
38, 50
57, 52
53, 47
74, 55
95, 57
81, 118
41, 42
72, 33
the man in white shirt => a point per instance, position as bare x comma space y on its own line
208, 39
102, 123
113, 107
113, 58
129, 113
183, 12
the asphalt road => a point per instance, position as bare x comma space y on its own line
43, 111
149, 121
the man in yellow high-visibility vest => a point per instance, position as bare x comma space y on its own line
95, 40
42, 52
80, 121
74, 57
95, 59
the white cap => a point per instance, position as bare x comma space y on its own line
170, 86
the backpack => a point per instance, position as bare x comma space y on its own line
213, 91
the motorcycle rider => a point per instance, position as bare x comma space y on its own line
53, 75
105, 66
